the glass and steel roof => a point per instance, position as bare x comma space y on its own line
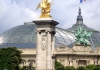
24, 36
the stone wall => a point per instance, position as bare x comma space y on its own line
76, 56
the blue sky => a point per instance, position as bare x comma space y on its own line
16, 12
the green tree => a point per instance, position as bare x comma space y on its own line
81, 68
70, 68
10, 58
58, 66
24, 67
27, 67
90, 67
97, 67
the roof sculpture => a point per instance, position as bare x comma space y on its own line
45, 7
82, 36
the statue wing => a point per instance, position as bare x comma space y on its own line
38, 6
89, 34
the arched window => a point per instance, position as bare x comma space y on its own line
31, 63
82, 63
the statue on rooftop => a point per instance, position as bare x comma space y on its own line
82, 36
45, 7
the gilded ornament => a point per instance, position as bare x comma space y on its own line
45, 8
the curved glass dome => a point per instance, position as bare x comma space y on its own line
24, 36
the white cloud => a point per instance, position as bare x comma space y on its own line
11, 14
16, 12
67, 12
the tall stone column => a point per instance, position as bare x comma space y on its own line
40, 52
49, 51
53, 52
45, 43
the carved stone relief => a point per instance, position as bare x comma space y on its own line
62, 61
43, 41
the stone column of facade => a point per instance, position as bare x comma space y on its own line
40, 53
49, 51
53, 52
27, 64
45, 34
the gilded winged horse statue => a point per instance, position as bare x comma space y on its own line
45, 8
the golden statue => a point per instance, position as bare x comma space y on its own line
45, 7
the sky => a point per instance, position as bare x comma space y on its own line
17, 12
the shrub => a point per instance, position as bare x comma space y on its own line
97, 68
90, 67
58, 66
70, 68
27, 67
81, 68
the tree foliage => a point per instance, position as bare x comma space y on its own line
10, 58
70, 68
27, 67
58, 66
90, 67
81, 68
97, 68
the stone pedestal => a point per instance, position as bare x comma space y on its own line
45, 43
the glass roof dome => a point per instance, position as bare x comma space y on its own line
24, 36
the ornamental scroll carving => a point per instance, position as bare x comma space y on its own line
62, 61
43, 41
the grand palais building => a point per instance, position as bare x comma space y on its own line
24, 38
